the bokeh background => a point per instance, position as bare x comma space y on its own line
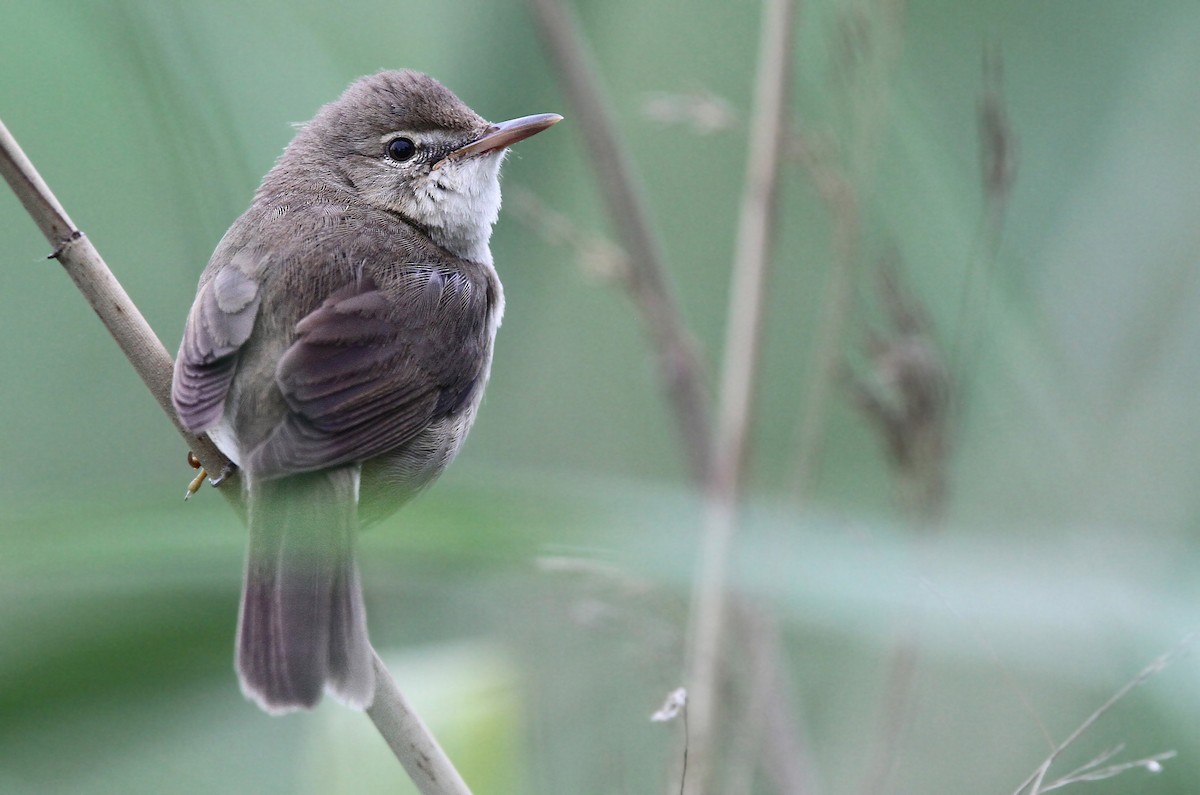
534, 603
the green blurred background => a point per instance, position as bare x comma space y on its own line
534, 603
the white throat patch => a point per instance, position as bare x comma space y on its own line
458, 203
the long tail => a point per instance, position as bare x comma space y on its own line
303, 625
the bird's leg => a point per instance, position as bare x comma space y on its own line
198, 481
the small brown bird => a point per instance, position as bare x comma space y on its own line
337, 352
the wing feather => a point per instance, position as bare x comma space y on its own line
221, 320
374, 365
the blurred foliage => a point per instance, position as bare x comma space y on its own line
536, 599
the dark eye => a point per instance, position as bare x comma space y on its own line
401, 149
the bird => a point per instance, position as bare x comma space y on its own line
337, 352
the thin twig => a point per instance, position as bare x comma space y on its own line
675, 706
845, 190
743, 342
1006, 674
768, 722
914, 403
1033, 784
1152, 764
841, 199
599, 258
895, 712
1096, 761
998, 156
410, 740
648, 286
648, 281
103, 292
755, 633
905, 395
400, 726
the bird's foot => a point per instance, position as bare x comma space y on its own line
198, 481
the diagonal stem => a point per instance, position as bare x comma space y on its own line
410, 740
103, 292
647, 280
1033, 784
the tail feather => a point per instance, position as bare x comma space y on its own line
351, 668
303, 623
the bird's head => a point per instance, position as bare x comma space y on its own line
404, 143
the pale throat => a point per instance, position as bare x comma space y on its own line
459, 203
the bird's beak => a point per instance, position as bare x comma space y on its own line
505, 133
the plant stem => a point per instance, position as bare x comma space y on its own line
1033, 784
648, 281
743, 343
410, 740
102, 291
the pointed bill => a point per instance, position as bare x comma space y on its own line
505, 133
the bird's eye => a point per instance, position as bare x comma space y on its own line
401, 149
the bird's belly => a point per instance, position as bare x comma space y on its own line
390, 480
